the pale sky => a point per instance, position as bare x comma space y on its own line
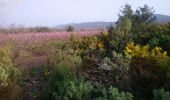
55, 12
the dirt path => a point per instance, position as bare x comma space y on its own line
32, 67
33, 86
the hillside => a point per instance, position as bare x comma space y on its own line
102, 25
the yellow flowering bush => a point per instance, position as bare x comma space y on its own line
158, 51
85, 45
100, 45
105, 34
143, 51
136, 50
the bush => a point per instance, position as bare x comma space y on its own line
154, 42
88, 48
9, 76
115, 94
70, 29
79, 89
143, 51
60, 70
150, 69
63, 84
122, 61
161, 95
76, 90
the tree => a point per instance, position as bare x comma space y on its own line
70, 29
145, 14
125, 14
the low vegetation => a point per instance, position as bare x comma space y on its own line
128, 62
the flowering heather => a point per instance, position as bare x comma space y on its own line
42, 37
3, 38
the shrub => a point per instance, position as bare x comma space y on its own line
9, 75
122, 61
143, 51
115, 94
150, 69
118, 61
61, 67
70, 29
161, 95
77, 90
62, 83
153, 42
86, 46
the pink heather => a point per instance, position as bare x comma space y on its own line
42, 37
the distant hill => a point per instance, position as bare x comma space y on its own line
102, 25
87, 25
162, 18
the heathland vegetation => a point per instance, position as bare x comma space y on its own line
128, 62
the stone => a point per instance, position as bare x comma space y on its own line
105, 67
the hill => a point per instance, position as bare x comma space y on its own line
103, 25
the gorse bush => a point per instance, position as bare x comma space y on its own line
9, 75
87, 45
150, 69
143, 51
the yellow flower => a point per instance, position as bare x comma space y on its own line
136, 50
158, 51
46, 72
100, 45
105, 34
143, 51
165, 53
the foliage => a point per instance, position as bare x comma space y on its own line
149, 66
144, 14
77, 90
70, 29
118, 61
61, 68
161, 95
153, 42
9, 75
143, 51
116, 95
88, 48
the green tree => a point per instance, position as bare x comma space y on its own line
70, 29
145, 14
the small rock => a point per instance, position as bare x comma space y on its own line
105, 67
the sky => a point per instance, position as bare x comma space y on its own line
56, 12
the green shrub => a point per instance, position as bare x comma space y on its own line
79, 89
122, 61
62, 83
76, 90
9, 76
70, 29
161, 95
153, 42
115, 94
60, 70
87, 45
